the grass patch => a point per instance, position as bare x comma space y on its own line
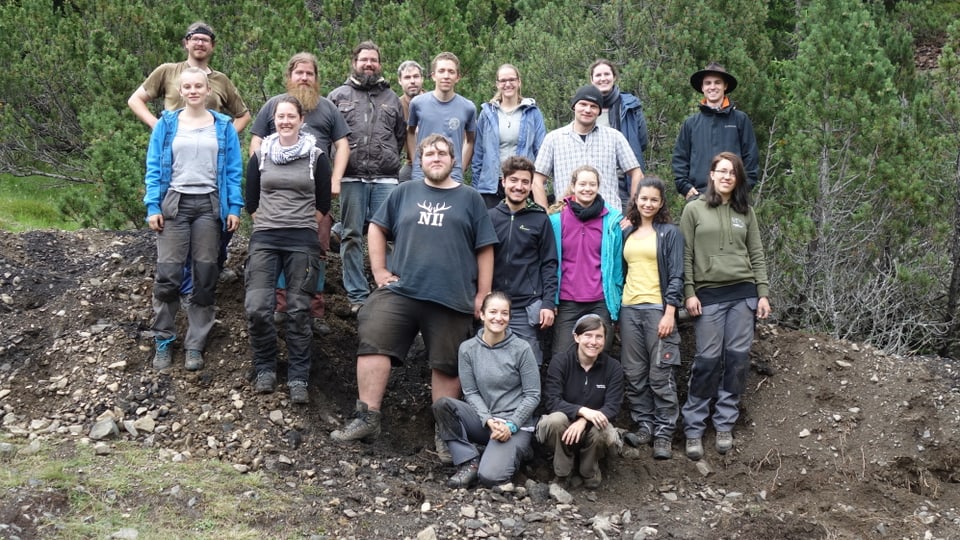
89, 496
33, 203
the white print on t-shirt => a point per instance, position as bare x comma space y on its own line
433, 215
453, 124
737, 223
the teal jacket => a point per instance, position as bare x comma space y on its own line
611, 258
160, 164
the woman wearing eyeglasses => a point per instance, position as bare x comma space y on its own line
726, 289
509, 125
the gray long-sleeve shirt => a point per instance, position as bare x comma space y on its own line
502, 381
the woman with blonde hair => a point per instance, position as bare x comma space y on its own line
509, 125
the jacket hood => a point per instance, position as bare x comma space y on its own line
725, 108
530, 207
380, 84
502, 344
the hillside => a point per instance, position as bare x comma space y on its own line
836, 441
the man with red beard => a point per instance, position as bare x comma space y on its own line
324, 122
378, 132
164, 82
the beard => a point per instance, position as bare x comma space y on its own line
308, 96
366, 80
437, 177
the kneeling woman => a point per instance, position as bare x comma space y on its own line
288, 193
583, 393
501, 389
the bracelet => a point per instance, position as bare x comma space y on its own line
513, 427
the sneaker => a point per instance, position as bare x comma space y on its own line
163, 356
443, 451
366, 426
641, 438
661, 448
724, 441
695, 448
466, 475
266, 382
194, 360
355, 308
320, 328
593, 482
298, 392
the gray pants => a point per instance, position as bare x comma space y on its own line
191, 227
724, 336
461, 428
520, 324
301, 268
593, 445
649, 365
567, 314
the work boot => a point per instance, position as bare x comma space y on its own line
641, 438
724, 441
593, 482
266, 382
466, 475
661, 448
365, 427
298, 392
695, 448
320, 328
443, 451
163, 356
194, 360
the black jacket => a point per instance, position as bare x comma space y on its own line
525, 260
669, 261
569, 387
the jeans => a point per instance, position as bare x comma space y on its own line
359, 201
191, 230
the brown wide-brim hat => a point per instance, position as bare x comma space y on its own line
713, 68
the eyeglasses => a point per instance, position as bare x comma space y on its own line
197, 39
725, 172
507, 81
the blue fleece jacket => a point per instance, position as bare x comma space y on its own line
485, 164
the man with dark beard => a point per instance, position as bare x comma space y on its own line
324, 122
377, 133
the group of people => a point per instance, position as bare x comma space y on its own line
443, 254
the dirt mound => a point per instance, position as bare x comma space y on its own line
836, 440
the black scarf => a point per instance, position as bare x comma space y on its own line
586, 213
611, 102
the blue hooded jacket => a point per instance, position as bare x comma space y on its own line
160, 164
485, 164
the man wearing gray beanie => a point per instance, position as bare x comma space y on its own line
583, 142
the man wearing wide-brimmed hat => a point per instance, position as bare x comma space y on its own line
718, 127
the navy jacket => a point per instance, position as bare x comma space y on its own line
569, 387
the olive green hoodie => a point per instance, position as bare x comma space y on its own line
721, 247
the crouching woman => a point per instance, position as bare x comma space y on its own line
501, 389
583, 393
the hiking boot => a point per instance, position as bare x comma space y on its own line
724, 441
443, 451
593, 482
163, 356
320, 328
695, 449
466, 475
194, 360
366, 426
641, 438
298, 392
266, 382
661, 448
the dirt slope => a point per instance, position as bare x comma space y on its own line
836, 440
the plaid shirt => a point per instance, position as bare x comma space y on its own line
605, 149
